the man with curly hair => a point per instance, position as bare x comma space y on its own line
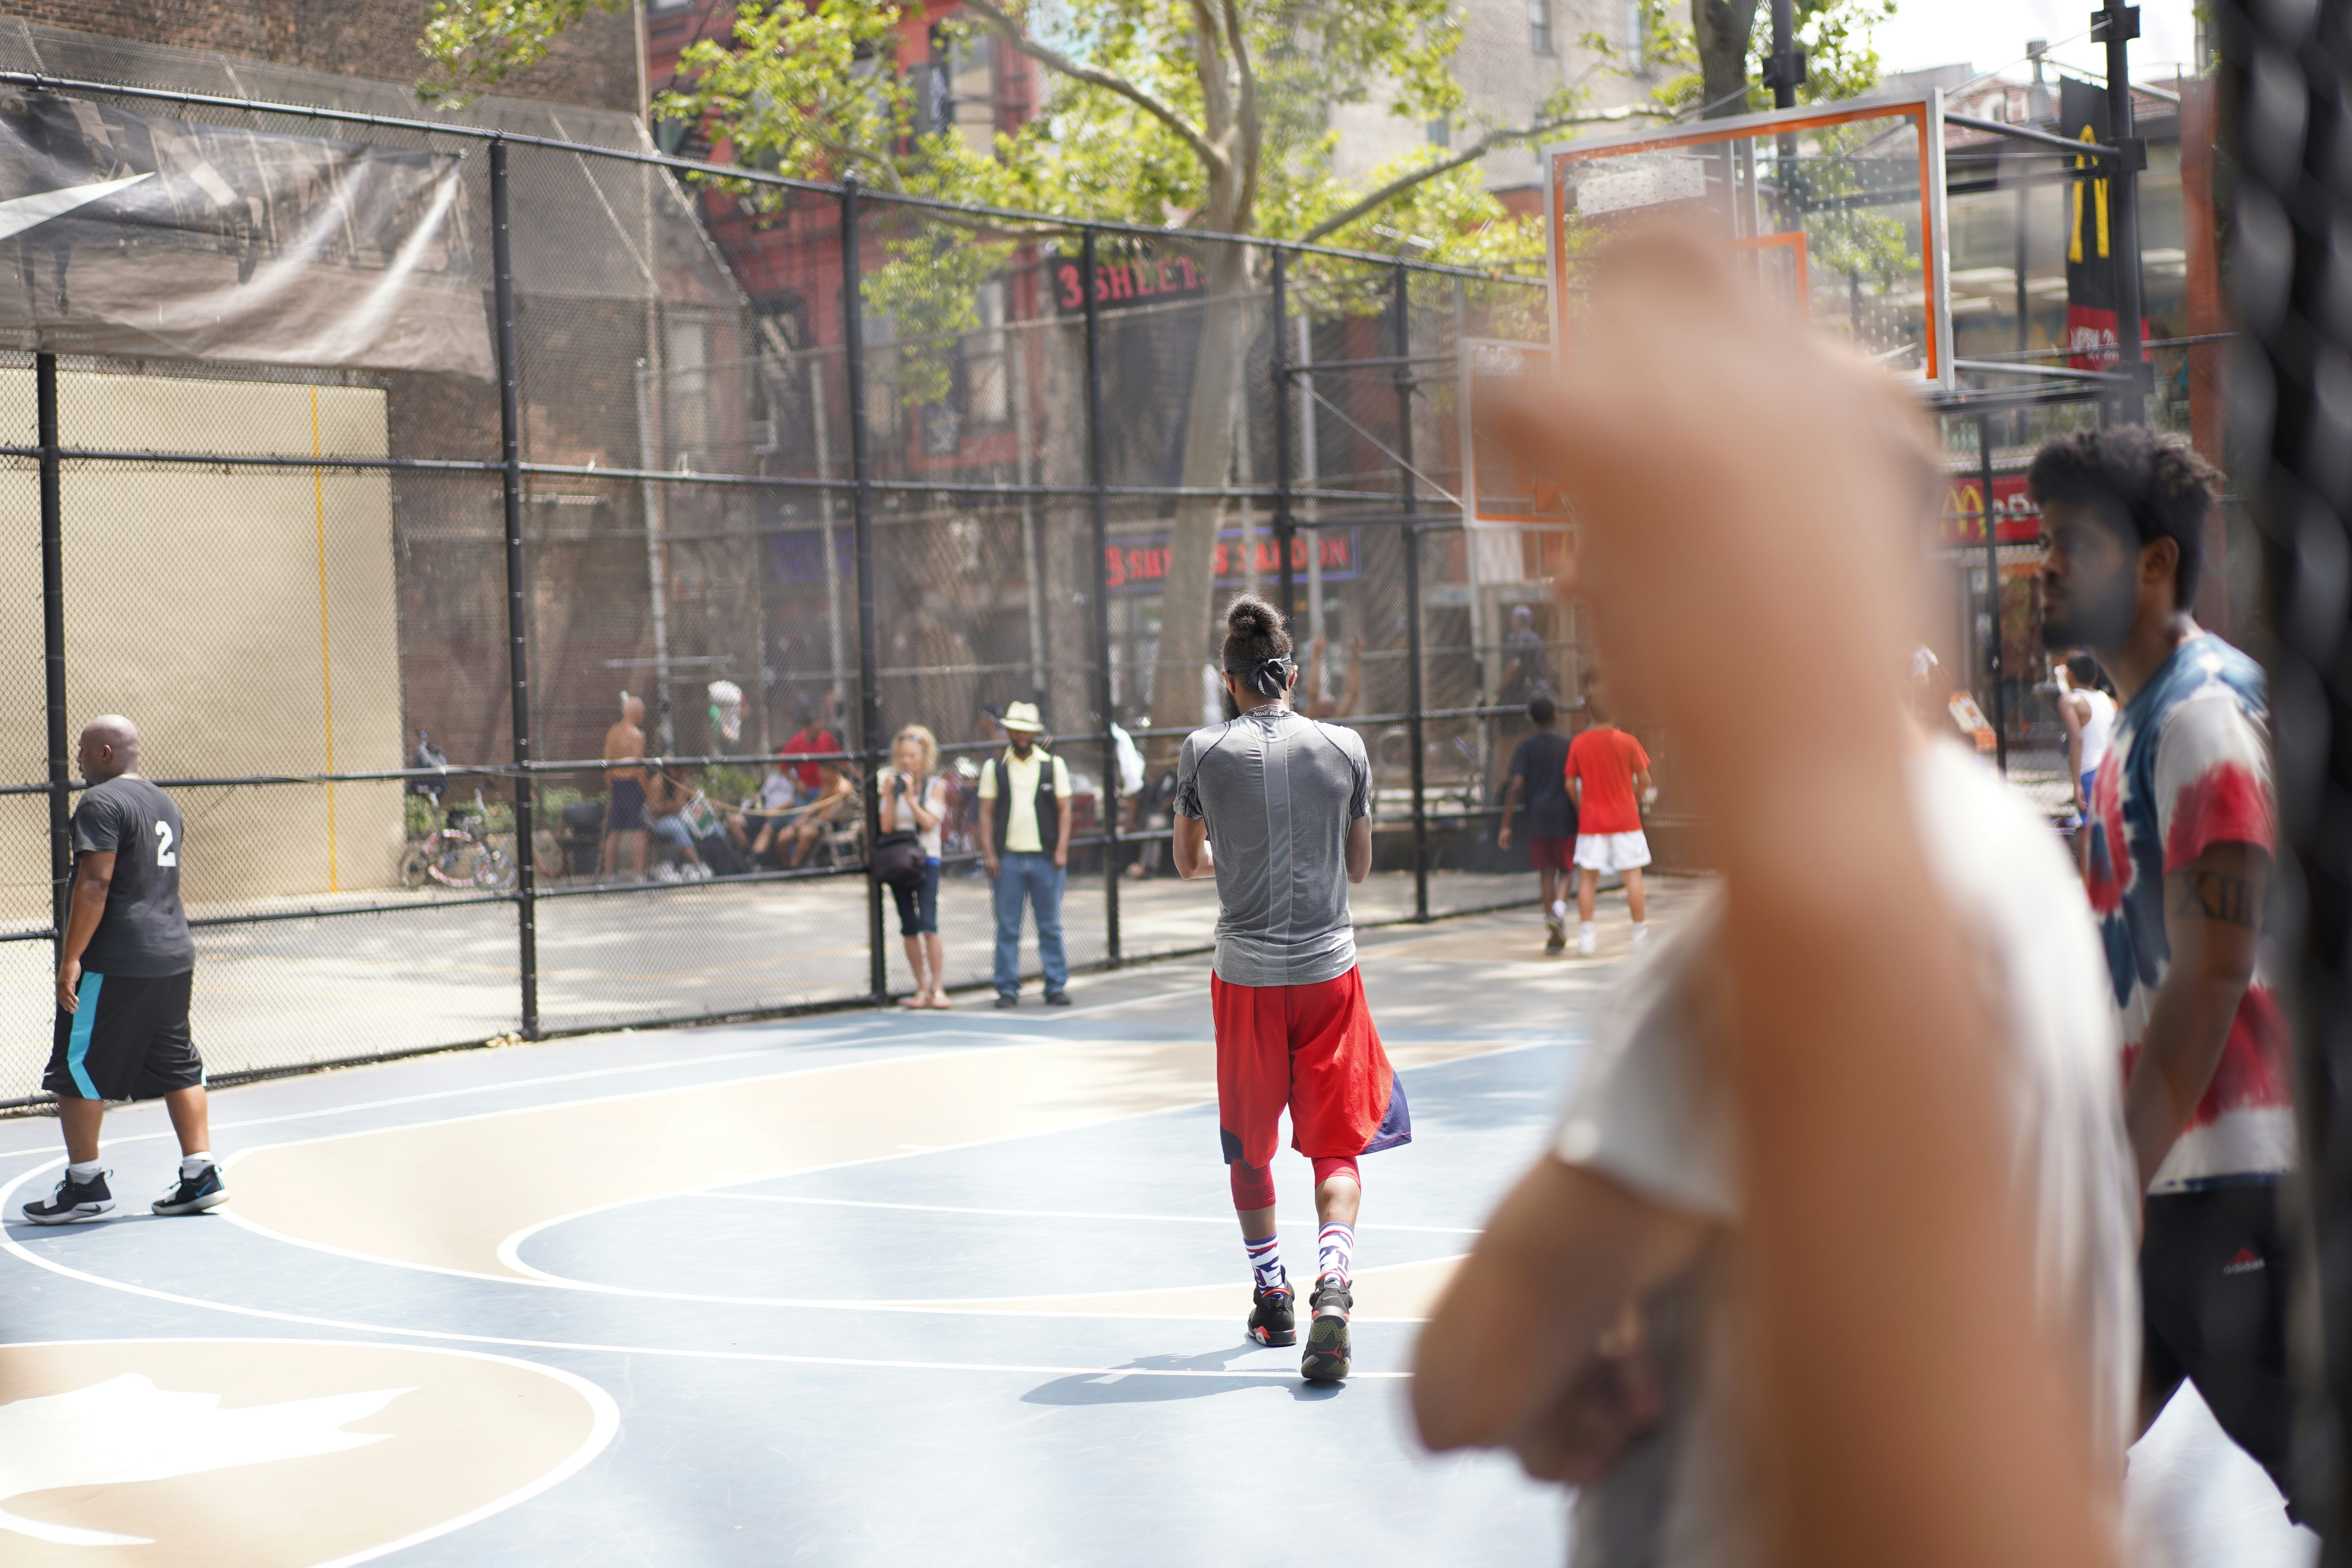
2181, 834
1277, 807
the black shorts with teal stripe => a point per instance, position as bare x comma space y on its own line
127, 1040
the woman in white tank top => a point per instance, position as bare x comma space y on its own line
2089, 715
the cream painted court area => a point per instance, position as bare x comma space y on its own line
860, 1289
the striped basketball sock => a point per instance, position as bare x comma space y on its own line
1335, 1248
1266, 1267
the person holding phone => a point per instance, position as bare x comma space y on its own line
915, 800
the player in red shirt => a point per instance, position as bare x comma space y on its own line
1605, 767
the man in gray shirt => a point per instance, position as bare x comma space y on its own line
1277, 807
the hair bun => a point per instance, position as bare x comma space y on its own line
1250, 618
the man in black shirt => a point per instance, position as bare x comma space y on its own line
1538, 774
122, 985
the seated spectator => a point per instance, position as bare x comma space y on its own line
755, 825
815, 738
667, 795
835, 798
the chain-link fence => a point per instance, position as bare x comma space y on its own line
379, 627
376, 625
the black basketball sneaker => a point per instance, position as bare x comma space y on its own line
1273, 1316
1325, 1360
73, 1202
194, 1194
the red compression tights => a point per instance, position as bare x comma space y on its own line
1253, 1184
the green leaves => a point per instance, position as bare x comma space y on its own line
478, 44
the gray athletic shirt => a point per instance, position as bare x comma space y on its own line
1278, 791
144, 932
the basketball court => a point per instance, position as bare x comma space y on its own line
844, 1290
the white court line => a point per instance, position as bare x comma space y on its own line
827, 1034
527, 1275
7, 1194
1055, 1213
601, 1431
510, 1250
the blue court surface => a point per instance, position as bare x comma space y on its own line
859, 1289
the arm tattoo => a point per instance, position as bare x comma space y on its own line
2209, 895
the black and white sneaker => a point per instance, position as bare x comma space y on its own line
1325, 1360
73, 1202
195, 1194
1273, 1316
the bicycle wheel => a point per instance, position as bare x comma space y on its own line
493, 868
415, 870
451, 859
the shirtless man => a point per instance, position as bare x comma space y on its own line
626, 743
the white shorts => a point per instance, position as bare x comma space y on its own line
1612, 851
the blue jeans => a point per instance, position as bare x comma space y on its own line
1032, 875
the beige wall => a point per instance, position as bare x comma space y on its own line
193, 602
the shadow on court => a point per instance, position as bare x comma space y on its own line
1110, 1389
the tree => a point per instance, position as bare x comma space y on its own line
1721, 52
1206, 115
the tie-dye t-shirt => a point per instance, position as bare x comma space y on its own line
2189, 767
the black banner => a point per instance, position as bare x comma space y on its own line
2090, 240
142, 236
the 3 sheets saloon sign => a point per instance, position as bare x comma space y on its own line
1124, 282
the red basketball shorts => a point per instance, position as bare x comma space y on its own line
1310, 1049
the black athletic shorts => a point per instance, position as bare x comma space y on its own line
2213, 1289
127, 1040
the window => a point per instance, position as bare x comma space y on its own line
987, 390
1539, 26
1441, 132
958, 89
1636, 36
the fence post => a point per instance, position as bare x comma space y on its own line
1284, 528
1097, 478
1992, 593
861, 520
517, 612
1413, 696
52, 650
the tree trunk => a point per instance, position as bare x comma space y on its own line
1186, 632
1722, 29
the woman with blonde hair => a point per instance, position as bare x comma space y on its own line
915, 800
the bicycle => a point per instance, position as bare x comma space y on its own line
459, 854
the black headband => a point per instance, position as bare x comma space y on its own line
1267, 677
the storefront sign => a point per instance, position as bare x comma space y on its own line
1142, 566
2015, 519
1122, 284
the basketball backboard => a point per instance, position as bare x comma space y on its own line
1498, 489
1835, 210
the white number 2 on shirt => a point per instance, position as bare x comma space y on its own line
164, 854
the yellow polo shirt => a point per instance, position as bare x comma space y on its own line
1021, 778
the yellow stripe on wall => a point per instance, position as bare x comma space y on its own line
326, 667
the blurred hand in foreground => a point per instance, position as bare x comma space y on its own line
1750, 495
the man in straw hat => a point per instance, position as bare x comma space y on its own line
1025, 799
